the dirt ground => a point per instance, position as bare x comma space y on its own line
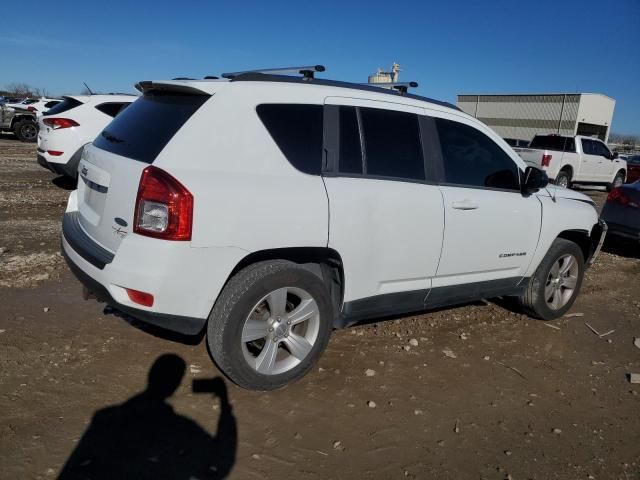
486, 393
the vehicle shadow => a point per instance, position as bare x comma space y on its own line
65, 183
621, 247
158, 332
144, 438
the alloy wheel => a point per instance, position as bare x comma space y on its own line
280, 331
561, 282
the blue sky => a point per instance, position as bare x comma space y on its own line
449, 47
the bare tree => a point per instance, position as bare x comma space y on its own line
20, 89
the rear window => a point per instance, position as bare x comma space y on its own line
64, 106
553, 142
144, 128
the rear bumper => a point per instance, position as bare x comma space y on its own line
185, 281
58, 165
174, 323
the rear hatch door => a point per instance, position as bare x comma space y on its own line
110, 168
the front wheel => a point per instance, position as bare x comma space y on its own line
555, 285
270, 325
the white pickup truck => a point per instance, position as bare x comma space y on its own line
569, 160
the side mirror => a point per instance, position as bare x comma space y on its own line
533, 180
614, 155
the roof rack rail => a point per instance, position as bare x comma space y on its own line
211, 77
401, 87
307, 71
183, 78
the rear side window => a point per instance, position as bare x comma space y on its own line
472, 159
51, 104
392, 144
297, 130
111, 108
143, 129
64, 106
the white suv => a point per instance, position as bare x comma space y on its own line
67, 127
270, 209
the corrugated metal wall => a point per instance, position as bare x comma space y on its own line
523, 116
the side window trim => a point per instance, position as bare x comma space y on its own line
363, 147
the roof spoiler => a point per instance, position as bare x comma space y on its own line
176, 86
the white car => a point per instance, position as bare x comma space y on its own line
67, 127
269, 209
579, 159
36, 105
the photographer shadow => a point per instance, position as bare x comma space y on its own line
144, 438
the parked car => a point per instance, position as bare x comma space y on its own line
42, 105
67, 127
269, 209
19, 121
571, 160
633, 168
514, 142
622, 211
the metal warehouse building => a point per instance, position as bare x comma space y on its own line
523, 116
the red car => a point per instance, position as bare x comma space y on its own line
633, 168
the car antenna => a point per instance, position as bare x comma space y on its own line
87, 87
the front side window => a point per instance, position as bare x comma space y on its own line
472, 159
392, 144
601, 149
297, 129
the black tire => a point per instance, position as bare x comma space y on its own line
26, 131
237, 301
533, 300
562, 177
618, 179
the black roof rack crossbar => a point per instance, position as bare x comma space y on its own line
371, 87
306, 71
401, 87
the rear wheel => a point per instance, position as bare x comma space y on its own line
26, 131
270, 325
618, 180
563, 179
555, 285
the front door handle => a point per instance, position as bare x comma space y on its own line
465, 205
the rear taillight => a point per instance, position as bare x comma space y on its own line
546, 160
617, 195
164, 207
32, 109
57, 123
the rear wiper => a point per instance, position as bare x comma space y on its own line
110, 138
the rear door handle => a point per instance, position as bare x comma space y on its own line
465, 205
